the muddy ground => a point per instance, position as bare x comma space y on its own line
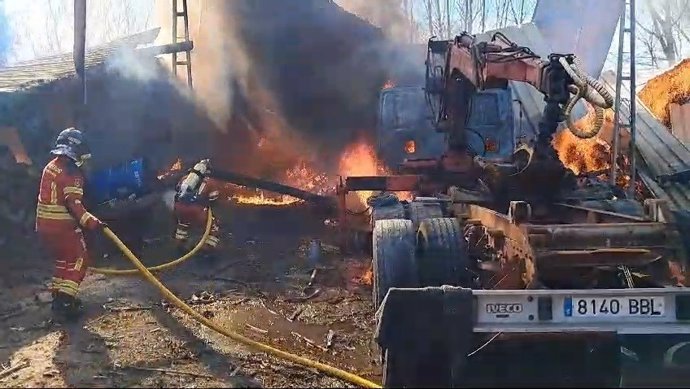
130, 337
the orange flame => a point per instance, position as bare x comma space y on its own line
668, 88
410, 147
261, 199
367, 278
584, 155
388, 84
359, 159
174, 168
301, 177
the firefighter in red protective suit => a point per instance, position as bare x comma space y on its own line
196, 192
60, 217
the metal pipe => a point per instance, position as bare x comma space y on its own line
251, 182
166, 49
633, 103
617, 104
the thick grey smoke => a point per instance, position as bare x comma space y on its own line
385, 14
218, 58
305, 74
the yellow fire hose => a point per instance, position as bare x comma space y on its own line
146, 272
131, 272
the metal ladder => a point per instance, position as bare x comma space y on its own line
628, 8
176, 38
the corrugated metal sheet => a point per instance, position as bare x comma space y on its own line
680, 121
48, 69
588, 34
663, 153
663, 160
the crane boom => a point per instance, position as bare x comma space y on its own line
470, 65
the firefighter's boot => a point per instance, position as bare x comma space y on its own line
66, 308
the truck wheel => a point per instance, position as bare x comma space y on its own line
442, 253
394, 262
420, 211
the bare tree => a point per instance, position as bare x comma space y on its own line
430, 17
519, 10
439, 25
664, 28
106, 21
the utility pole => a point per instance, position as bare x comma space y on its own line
620, 77
450, 34
79, 56
633, 104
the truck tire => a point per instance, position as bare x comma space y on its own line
394, 263
442, 253
420, 211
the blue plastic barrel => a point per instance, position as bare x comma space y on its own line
120, 182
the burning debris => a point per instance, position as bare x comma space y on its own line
584, 155
671, 87
388, 84
175, 168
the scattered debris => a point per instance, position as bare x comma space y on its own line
240, 301
308, 341
295, 314
255, 329
313, 276
14, 369
126, 309
263, 304
235, 371
170, 371
329, 338
304, 298
202, 298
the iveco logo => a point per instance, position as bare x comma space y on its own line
503, 308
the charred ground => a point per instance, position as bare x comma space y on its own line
257, 288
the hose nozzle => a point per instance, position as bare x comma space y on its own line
587, 88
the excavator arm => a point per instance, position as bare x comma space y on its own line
493, 64
471, 65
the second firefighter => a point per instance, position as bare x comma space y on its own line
195, 193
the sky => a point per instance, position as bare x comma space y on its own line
44, 27
4, 35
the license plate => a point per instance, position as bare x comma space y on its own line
613, 307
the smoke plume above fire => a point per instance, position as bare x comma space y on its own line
292, 87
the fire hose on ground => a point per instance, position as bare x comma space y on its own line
146, 272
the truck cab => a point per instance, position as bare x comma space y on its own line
405, 129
